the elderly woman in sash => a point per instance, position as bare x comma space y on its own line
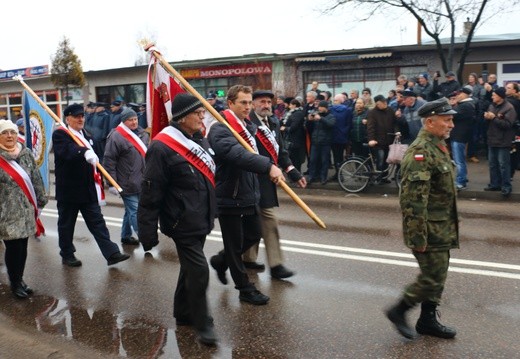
21, 196
178, 191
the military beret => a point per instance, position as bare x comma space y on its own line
437, 107
263, 93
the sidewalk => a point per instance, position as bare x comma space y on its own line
478, 176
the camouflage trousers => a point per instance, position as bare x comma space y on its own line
430, 282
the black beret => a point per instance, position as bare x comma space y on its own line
437, 107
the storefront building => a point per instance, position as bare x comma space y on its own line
284, 74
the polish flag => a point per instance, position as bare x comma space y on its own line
160, 90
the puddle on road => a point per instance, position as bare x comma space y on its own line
102, 330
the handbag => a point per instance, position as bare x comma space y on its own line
396, 152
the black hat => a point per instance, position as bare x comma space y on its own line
184, 104
127, 114
101, 104
437, 107
379, 98
408, 93
116, 103
500, 92
74, 110
211, 96
450, 73
468, 89
323, 104
263, 93
91, 104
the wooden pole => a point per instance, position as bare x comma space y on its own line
58, 120
218, 117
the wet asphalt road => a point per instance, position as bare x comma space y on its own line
332, 308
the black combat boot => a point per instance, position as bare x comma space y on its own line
396, 315
428, 324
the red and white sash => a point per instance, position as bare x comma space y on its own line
21, 138
190, 150
239, 127
100, 190
268, 140
131, 137
22, 179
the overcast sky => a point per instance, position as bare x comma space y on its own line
104, 34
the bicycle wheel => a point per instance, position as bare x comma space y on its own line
397, 177
353, 176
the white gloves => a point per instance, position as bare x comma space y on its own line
91, 157
113, 191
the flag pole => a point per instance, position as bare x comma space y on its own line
58, 120
151, 48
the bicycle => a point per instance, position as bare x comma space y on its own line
356, 173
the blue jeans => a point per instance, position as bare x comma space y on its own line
499, 168
130, 217
319, 162
458, 150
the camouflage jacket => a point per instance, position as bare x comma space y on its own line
428, 195
16, 212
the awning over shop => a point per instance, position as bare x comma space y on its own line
375, 55
310, 59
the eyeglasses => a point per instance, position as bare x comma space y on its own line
200, 112
9, 132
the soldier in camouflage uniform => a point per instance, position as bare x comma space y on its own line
430, 224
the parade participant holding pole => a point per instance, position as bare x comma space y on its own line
79, 187
178, 190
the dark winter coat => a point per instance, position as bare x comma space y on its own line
295, 129
343, 115
464, 121
175, 194
501, 131
237, 185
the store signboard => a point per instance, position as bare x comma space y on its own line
228, 71
25, 72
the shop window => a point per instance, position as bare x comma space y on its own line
511, 68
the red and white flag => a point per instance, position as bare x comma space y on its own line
160, 90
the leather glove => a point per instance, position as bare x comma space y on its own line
113, 191
294, 175
91, 157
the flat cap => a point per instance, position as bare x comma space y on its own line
263, 93
74, 110
437, 107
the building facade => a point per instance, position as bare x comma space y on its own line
286, 74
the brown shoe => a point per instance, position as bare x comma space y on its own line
473, 159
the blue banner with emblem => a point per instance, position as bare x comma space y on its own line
38, 134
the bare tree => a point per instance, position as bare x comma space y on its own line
66, 68
438, 18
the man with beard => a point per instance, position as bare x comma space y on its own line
269, 142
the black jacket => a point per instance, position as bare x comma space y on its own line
322, 131
464, 121
501, 131
268, 196
296, 129
74, 175
175, 194
237, 183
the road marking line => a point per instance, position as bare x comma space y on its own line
217, 236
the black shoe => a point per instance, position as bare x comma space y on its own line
186, 322
323, 183
207, 336
27, 289
254, 265
19, 292
492, 189
506, 192
131, 241
428, 324
253, 297
116, 258
280, 272
71, 261
396, 315
221, 271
